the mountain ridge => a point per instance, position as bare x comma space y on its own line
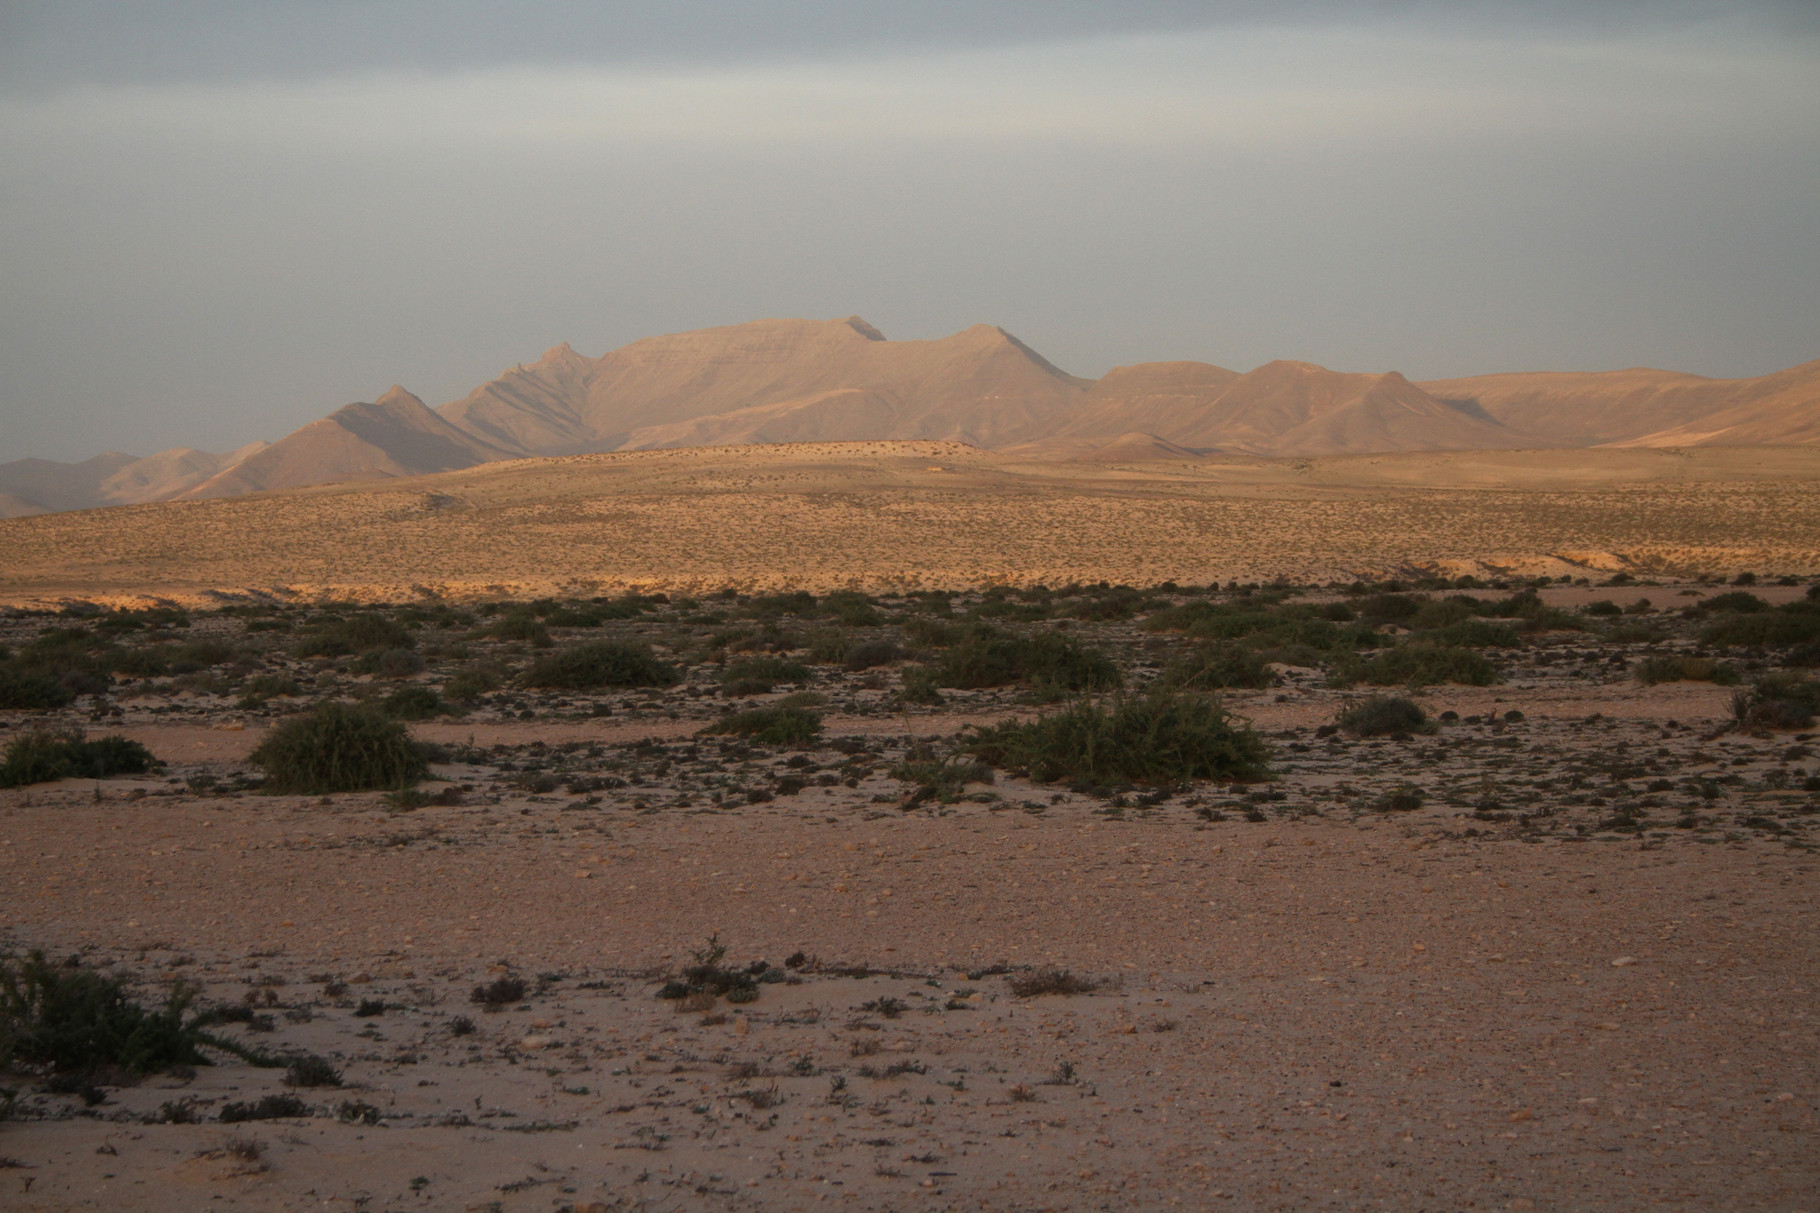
792, 380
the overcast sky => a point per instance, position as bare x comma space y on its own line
222, 220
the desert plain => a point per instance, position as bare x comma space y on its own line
1552, 948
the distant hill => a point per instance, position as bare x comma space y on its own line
792, 381
396, 435
813, 380
1643, 407
43, 486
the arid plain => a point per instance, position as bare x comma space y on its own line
914, 515
1553, 947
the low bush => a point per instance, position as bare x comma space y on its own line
773, 726
1213, 666
257, 690
871, 653
269, 1107
355, 634
1473, 634
310, 1071
471, 682
1051, 981
986, 657
601, 663
851, 609
1419, 665
1780, 701
40, 757
939, 779
760, 675
339, 747
1737, 602
73, 1020
518, 627
1384, 716
1784, 626
1654, 670
708, 979
416, 703
388, 663
1162, 738
500, 992
30, 690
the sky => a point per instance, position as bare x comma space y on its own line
219, 221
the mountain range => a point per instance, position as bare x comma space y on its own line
772, 381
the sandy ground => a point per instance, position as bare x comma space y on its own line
1337, 1010
907, 515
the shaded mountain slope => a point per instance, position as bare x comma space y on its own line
1647, 407
396, 435
981, 385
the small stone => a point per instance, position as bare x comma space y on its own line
1623, 962
1521, 1115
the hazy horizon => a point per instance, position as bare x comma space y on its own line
226, 223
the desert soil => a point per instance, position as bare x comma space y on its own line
890, 516
1337, 1008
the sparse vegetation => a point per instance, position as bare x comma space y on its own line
772, 726
1161, 738
69, 1019
42, 756
1051, 981
1385, 716
338, 747
601, 663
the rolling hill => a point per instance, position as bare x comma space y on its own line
791, 381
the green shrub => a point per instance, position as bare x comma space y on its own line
932, 633
387, 663
355, 634
1536, 616
1473, 634
519, 627
72, 1020
1161, 738
919, 685
256, 690
1654, 670
199, 654
1213, 666
1384, 716
771, 606
416, 703
148, 662
338, 747
941, 779
1780, 701
1779, 627
759, 675
871, 653
1737, 602
1045, 661
471, 682
1446, 613
1419, 665
773, 726
1603, 607
31, 690
601, 663
1389, 608
40, 757
851, 609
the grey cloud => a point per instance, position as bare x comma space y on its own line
52, 44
